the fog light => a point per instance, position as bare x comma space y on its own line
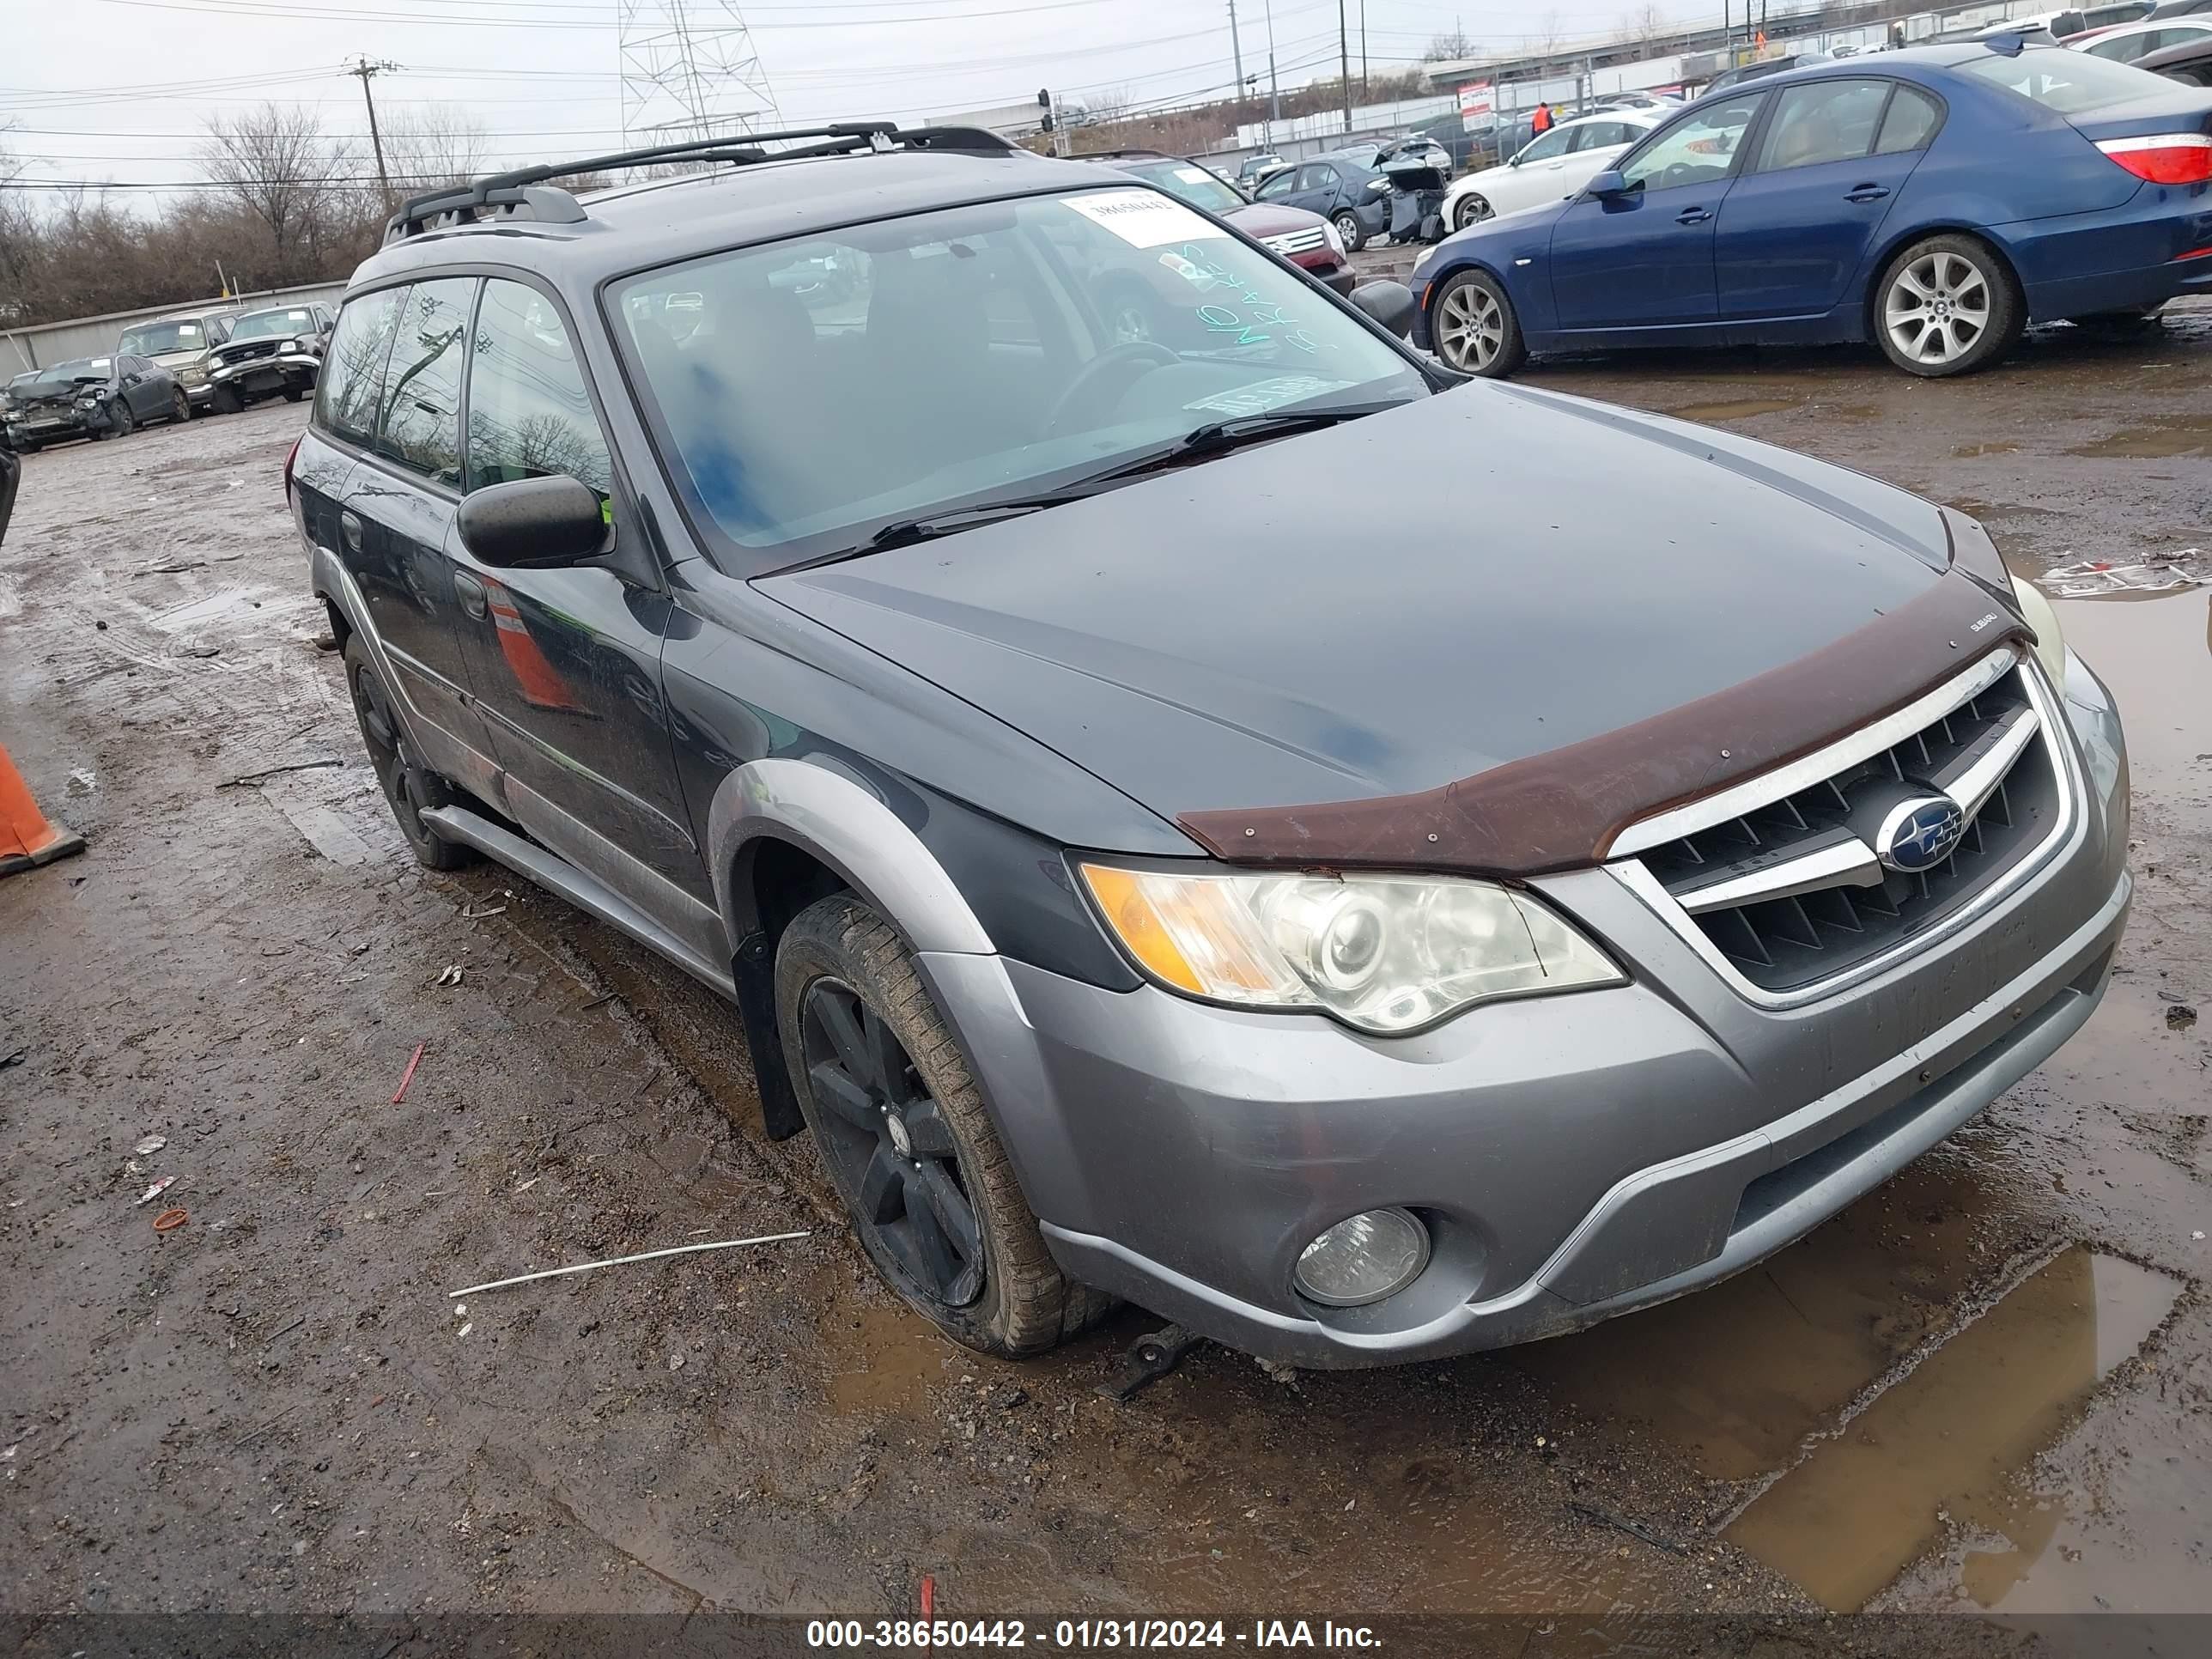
1362, 1260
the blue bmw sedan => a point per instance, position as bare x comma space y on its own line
1935, 201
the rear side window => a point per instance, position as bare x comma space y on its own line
529, 415
2069, 82
1911, 123
352, 380
1825, 121
421, 426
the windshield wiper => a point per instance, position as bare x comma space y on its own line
1219, 437
1215, 437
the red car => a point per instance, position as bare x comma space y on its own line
1306, 240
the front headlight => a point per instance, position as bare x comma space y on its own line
1329, 234
2043, 618
1383, 953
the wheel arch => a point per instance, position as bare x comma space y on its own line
1893, 243
783, 833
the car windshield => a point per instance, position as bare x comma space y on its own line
811, 393
261, 324
2068, 81
152, 339
1187, 180
78, 371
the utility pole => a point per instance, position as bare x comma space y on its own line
1343, 62
366, 70
1362, 52
1274, 90
1236, 49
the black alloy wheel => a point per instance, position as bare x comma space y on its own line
891, 1146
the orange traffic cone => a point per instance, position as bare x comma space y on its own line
26, 840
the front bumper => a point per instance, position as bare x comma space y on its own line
1333, 273
1574, 1156
49, 429
260, 375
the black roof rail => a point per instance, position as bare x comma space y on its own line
522, 192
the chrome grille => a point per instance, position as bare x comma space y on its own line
1791, 891
245, 354
1297, 242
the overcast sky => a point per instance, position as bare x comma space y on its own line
116, 90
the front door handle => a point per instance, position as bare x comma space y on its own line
1866, 193
349, 529
472, 594
1693, 216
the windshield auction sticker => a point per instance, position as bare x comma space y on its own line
1142, 218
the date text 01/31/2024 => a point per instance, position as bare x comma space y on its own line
853, 1635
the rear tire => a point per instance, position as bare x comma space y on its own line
1475, 328
1946, 304
1472, 209
1348, 228
180, 407
916, 1160
409, 789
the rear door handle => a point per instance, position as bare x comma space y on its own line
1692, 216
471, 591
349, 529
1866, 193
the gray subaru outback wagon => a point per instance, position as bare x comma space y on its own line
1148, 871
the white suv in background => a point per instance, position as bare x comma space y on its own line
1555, 163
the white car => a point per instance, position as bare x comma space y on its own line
1556, 163
2124, 45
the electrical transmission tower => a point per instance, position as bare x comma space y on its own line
689, 71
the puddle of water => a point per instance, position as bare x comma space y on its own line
2156, 655
1738, 1376
1945, 1440
2158, 440
1739, 409
1968, 452
886, 1360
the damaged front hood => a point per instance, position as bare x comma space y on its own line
1389, 606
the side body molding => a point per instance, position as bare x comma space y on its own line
822, 808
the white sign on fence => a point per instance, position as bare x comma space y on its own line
1476, 105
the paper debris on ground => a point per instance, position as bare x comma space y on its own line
156, 1189
451, 977
2155, 573
151, 1144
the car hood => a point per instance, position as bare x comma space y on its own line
178, 359
1386, 605
1263, 219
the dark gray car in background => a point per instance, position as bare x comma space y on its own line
1355, 958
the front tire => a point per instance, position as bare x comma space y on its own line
409, 789
1475, 328
901, 1127
293, 393
1350, 230
1946, 305
121, 423
225, 400
1472, 209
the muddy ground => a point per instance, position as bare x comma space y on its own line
1986, 1386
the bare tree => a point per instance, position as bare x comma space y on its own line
1450, 46
442, 145
1551, 29
278, 165
1646, 21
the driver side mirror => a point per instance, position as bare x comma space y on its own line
532, 521
1389, 303
1607, 184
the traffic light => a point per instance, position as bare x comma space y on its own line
1044, 103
